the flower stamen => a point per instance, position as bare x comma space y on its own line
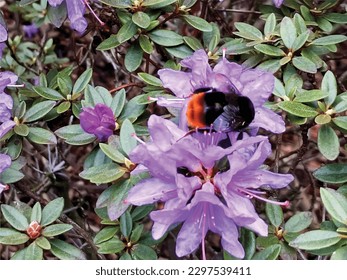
94, 14
254, 194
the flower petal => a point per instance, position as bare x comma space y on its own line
151, 190
269, 120
6, 127
5, 162
176, 81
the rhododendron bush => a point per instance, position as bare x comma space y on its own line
173, 129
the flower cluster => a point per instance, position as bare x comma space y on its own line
197, 190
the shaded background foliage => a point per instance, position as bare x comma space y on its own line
302, 43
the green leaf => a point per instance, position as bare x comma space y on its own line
272, 65
57, 229
197, 23
310, 95
105, 234
118, 102
126, 32
329, 85
193, 43
133, 57
36, 213
166, 38
14, 217
141, 19
325, 25
156, 4
75, 135
248, 31
63, 107
48, 93
57, 15
211, 39
126, 224
335, 203
328, 142
65, 251
82, 81
132, 110
108, 44
26, 2
340, 121
33, 252
41, 136
64, 83
269, 50
10, 176
274, 213
52, 211
270, 25
136, 233
339, 254
316, 239
181, 52
128, 142
149, 79
322, 119
22, 130
141, 211
335, 173
115, 199
43, 243
236, 46
298, 222
329, 40
145, 44
121, 4
288, 32
336, 17
12, 237
111, 246
104, 173
297, 109
38, 110
143, 252
112, 152
304, 64
300, 41
299, 23
269, 253
248, 241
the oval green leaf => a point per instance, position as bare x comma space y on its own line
328, 142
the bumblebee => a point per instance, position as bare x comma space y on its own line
224, 112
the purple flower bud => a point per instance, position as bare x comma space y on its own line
99, 121
30, 30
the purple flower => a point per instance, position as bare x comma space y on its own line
6, 102
256, 84
196, 191
30, 30
5, 162
7, 78
278, 3
75, 11
99, 121
3, 36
